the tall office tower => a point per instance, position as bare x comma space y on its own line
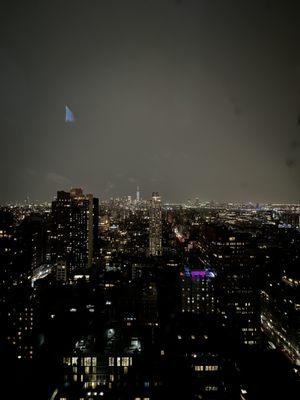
60, 237
234, 255
75, 228
20, 326
147, 312
61, 271
16, 313
138, 196
8, 248
155, 226
198, 291
33, 239
84, 229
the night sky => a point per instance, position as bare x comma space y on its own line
187, 98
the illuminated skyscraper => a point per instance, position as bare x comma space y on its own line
155, 226
235, 258
138, 197
75, 228
198, 291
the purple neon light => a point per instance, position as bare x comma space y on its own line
196, 273
202, 274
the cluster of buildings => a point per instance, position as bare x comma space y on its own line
133, 299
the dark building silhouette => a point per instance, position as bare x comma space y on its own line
234, 255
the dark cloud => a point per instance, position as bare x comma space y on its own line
290, 162
294, 144
149, 84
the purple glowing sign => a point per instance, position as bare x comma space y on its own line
198, 273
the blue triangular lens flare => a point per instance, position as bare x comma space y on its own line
69, 115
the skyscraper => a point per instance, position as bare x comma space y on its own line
75, 228
155, 226
198, 291
280, 313
138, 196
234, 256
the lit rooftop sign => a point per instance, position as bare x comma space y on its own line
198, 273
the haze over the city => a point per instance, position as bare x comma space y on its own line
187, 98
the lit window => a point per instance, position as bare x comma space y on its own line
125, 361
87, 361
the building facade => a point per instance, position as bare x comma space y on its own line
155, 226
74, 228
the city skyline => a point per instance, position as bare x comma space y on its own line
147, 196
150, 199
127, 299
138, 195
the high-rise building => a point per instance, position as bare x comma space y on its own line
234, 255
155, 226
147, 305
75, 228
16, 312
20, 326
138, 196
61, 271
281, 314
198, 291
33, 238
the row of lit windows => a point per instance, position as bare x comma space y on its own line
206, 367
120, 361
85, 361
87, 370
90, 378
142, 398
